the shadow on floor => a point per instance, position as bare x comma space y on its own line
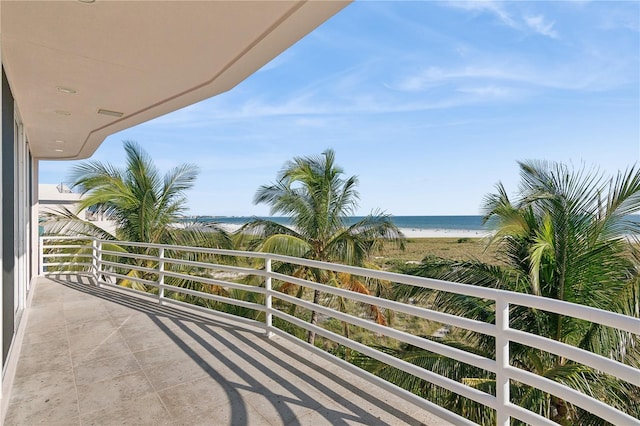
211, 345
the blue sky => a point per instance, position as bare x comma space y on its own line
429, 103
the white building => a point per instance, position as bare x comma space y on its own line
52, 197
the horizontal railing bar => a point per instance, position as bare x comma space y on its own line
457, 321
66, 264
224, 252
429, 345
65, 237
216, 298
427, 405
65, 246
82, 262
139, 244
133, 267
50, 273
427, 375
50, 255
606, 365
611, 319
129, 255
167, 300
216, 266
572, 396
127, 277
467, 289
450, 287
587, 313
211, 281
529, 417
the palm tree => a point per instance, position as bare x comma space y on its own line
568, 236
144, 205
313, 194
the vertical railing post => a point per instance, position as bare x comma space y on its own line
41, 257
502, 360
267, 300
98, 261
94, 259
160, 274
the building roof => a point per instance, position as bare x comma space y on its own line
54, 193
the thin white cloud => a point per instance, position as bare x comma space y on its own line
487, 92
435, 76
427, 78
314, 112
350, 93
489, 6
536, 23
541, 26
583, 75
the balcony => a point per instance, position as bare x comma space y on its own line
149, 354
98, 356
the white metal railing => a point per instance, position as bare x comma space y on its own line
102, 259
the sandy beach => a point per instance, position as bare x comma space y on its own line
408, 232
442, 233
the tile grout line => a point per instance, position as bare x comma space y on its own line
210, 333
73, 372
155, 391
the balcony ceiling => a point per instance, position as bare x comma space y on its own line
139, 58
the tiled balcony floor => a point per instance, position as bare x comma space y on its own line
95, 356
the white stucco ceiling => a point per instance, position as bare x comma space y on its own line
141, 58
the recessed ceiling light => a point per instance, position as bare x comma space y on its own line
111, 113
66, 90
59, 141
59, 150
61, 112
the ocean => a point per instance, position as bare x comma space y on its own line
416, 223
466, 223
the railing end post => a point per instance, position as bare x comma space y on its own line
41, 257
268, 320
502, 362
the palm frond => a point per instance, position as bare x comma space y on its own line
63, 221
285, 244
567, 236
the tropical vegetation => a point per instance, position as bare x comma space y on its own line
313, 193
568, 236
144, 205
